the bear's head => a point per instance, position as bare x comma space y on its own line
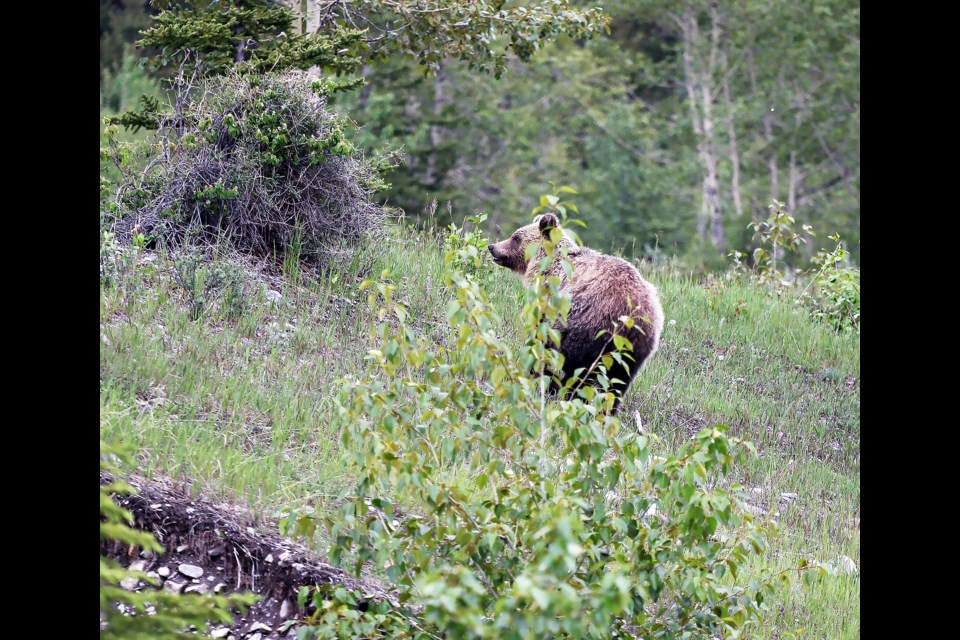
512, 252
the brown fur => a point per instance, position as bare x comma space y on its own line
603, 289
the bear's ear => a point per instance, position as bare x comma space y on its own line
547, 222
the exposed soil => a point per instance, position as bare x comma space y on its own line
235, 555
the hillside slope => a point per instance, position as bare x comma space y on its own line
241, 408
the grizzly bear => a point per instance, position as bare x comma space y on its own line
603, 289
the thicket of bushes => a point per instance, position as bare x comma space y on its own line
258, 162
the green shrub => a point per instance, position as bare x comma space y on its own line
777, 236
835, 288
253, 161
149, 613
210, 281
496, 512
469, 246
833, 282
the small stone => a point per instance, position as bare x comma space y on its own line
285, 609
153, 575
139, 565
197, 588
787, 498
222, 632
259, 626
215, 552
163, 572
757, 491
129, 583
156, 507
251, 531
847, 565
255, 636
284, 556
190, 570
219, 587
171, 586
274, 297
182, 548
269, 558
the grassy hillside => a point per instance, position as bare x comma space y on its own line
242, 407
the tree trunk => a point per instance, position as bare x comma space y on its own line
688, 24
732, 137
771, 158
364, 98
241, 43
712, 186
436, 131
794, 179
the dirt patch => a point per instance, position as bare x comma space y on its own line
217, 548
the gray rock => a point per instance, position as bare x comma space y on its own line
163, 572
190, 570
197, 588
259, 626
274, 297
182, 548
847, 565
129, 583
171, 586
219, 587
222, 632
787, 498
269, 558
153, 575
255, 636
139, 565
285, 609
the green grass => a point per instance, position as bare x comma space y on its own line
243, 409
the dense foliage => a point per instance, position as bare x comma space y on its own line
568, 525
258, 162
677, 129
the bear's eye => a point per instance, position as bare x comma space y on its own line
515, 238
